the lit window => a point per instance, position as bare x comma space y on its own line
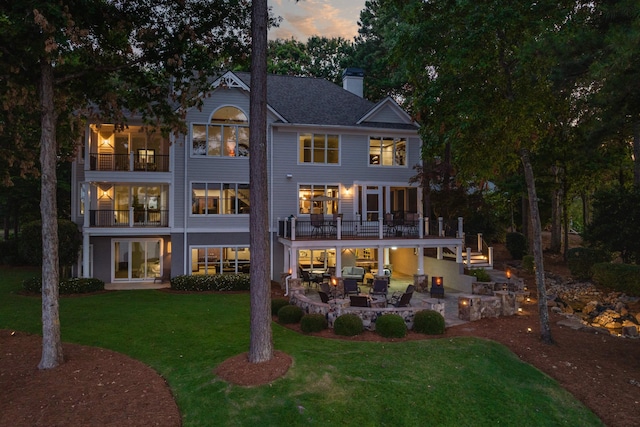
387, 151
226, 136
319, 148
219, 198
318, 199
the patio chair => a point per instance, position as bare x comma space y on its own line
324, 297
402, 299
310, 278
380, 287
351, 287
317, 224
359, 301
411, 223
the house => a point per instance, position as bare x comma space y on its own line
339, 170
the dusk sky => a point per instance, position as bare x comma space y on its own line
328, 18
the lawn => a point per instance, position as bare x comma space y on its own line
444, 382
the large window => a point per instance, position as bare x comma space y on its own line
318, 199
219, 198
220, 260
319, 148
226, 136
137, 259
387, 151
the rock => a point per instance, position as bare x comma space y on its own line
630, 331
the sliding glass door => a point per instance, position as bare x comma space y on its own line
136, 260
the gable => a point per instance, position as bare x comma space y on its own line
387, 111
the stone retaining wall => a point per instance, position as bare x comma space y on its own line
367, 314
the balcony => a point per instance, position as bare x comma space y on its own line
126, 218
335, 228
129, 162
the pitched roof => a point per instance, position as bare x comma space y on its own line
309, 100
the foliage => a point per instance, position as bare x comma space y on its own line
348, 325
516, 245
290, 314
480, 274
183, 336
580, 260
217, 282
391, 326
614, 227
76, 285
313, 322
618, 277
277, 303
69, 242
528, 263
9, 254
428, 322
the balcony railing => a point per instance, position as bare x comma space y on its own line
128, 218
129, 162
329, 228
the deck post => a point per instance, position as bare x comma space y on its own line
440, 227
460, 228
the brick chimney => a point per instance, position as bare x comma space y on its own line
353, 81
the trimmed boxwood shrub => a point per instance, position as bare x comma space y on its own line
217, 282
580, 261
516, 245
618, 277
314, 322
348, 325
290, 314
78, 285
278, 303
528, 263
391, 326
480, 274
428, 322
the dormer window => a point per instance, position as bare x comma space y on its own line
227, 135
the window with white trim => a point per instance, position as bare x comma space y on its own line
318, 199
227, 135
219, 198
386, 151
220, 259
319, 148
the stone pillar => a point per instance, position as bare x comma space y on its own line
421, 282
295, 287
469, 307
508, 302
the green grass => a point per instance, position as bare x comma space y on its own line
444, 382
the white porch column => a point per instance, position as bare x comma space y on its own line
86, 203
381, 250
286, 262
460, 228
439, 253
420, 260
85, 253
490, 258
468, 257
293, 262
339, 261
459, 254
440, 226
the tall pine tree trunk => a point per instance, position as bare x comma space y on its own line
536, 237
636, 154
51, 344
556, 211
260, 343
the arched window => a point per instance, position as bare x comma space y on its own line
227, 135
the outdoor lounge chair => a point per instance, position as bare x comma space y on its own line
400, 299
359, 301
351, 287
390, 225
380, 287
324, 297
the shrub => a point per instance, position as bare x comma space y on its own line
516, 245
391, 326
218, 282
290, 314
528, 263
580, 261
78, 285
69, 242
278, 303
348, 325
480, 274
428, 322
618, 277
315, 322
